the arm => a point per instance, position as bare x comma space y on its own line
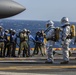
50, 34
66, 32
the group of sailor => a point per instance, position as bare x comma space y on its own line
39, 43
64, 36
8, 41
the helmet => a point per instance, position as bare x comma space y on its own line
6, 30
10, 29
37, 33
1, 27
64, 20
14, 31
28, 31
50, 23
25, 30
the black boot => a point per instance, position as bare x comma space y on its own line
64, 62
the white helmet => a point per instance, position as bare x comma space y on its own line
14, 31
25, 30
1, 27
7, 30
28, 31
11, 29
64, 20
50, 23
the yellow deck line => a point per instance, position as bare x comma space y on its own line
53, 48
37, 67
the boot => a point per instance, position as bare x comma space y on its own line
47, 62
64, 62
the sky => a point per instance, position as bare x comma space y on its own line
47, 10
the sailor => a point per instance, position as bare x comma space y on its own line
13, 41
6, 43
50, 41
39, 41
9, 42
36, 49
30, 40
43, 45
65, 39
1, 41
28, 33
23, 43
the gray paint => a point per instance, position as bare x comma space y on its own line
10, 8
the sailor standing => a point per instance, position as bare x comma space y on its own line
65, 39
50, 41
23, 43
6, 43
1, 41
